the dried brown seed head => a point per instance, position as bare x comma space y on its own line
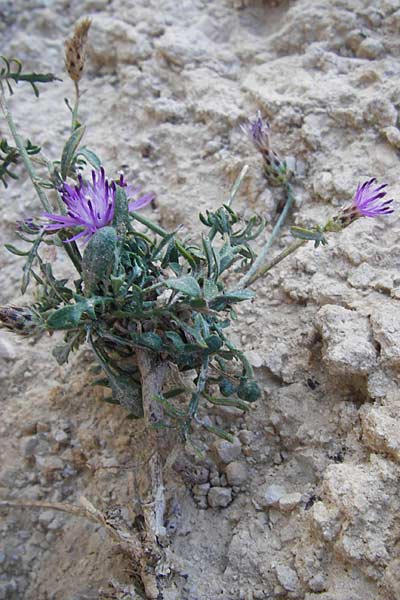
75, 50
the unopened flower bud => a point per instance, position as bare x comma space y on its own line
275, 169
19, 319
28, 226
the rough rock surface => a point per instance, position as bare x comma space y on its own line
168, 85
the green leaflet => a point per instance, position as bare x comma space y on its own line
186, 284
69, 151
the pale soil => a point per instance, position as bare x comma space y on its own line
168, 85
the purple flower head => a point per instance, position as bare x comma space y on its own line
258, 131
91, 205
368, 200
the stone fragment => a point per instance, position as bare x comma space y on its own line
51, 466
46, 517
28, 446
246, 437
271, 495
287, 577
381, 112
393, 136
381, 432
7, 349
370, 48
201, 501
289, 501
42, 427
29, 428
219, 497
113, 41
226, 452
348, 346
327, 522
201, 489
318, 583
215, 481
167, 109
61, 437
236, 473
385, 323
254, 358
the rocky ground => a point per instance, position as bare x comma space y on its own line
305, 504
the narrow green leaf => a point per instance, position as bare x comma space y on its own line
69, 152
219, 432
15, 250
26, 269
90, 156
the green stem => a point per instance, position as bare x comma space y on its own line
263, 270
72, 249
75, 122
23, 153
163, 233
194, 401
237, 184
256, 266
232, 196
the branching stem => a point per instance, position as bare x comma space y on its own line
263, 270
256, 269
23, 153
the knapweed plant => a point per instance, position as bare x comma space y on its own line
145, 300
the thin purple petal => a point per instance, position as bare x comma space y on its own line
142, 202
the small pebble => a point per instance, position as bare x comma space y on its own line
272, 494
287, 577
370, 48
42, 427
289, 501
236, 473
219, 497
225, 451
201, 489
28, 446
61, 437
201, 501
246, 437
318, 583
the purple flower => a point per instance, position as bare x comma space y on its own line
91, 205
368, 200
258, 131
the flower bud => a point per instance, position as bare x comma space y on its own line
19, 319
